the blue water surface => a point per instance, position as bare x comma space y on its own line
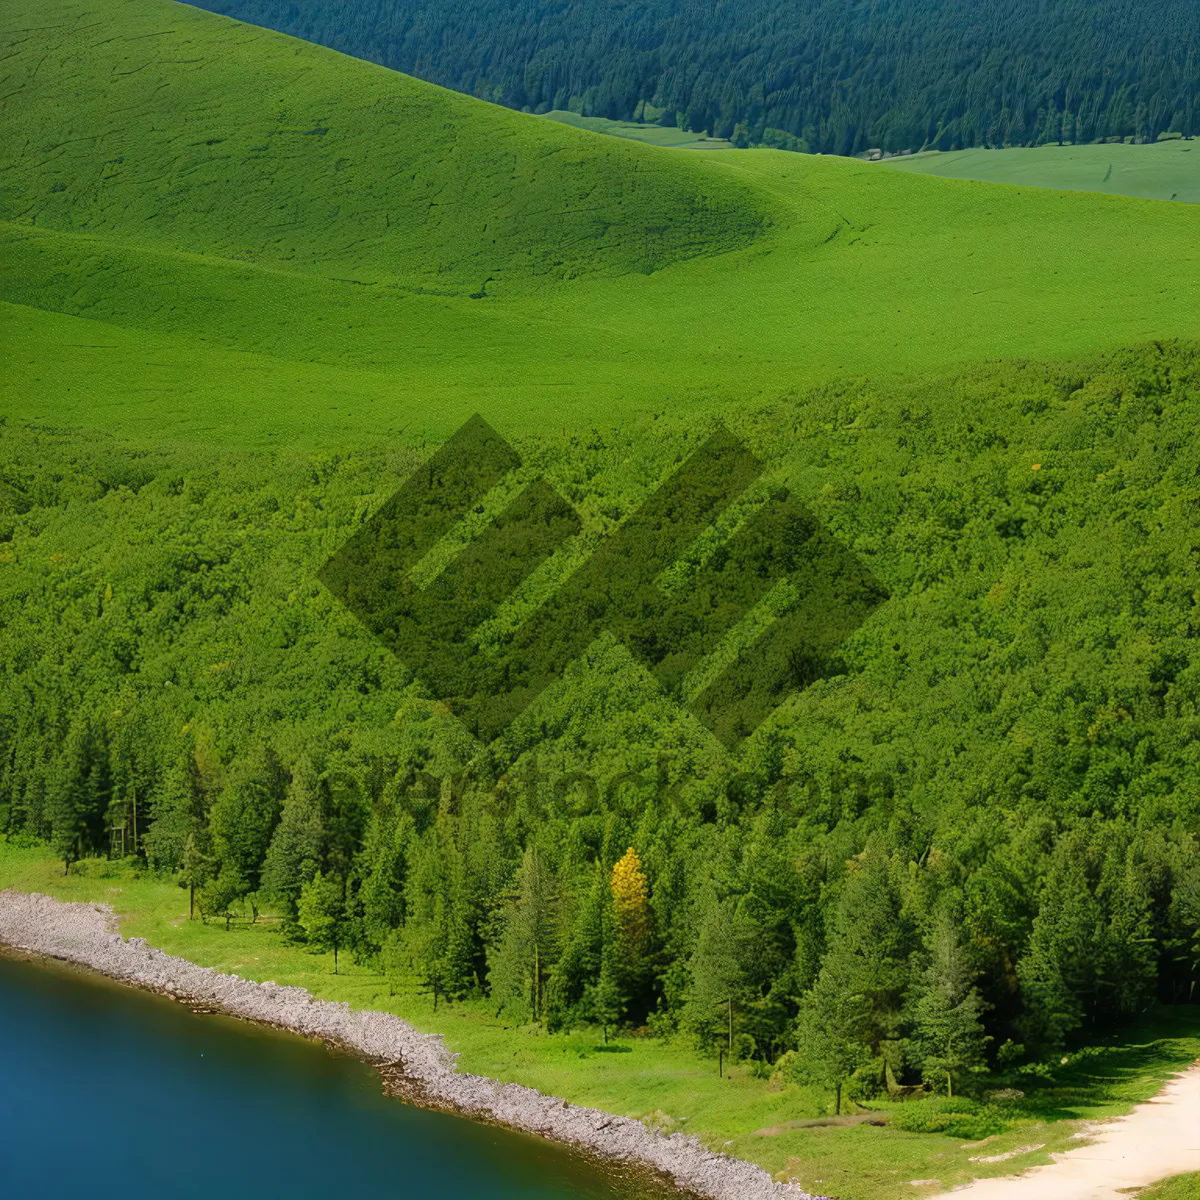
110, 1092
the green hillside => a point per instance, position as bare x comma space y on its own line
248, 284
220, 138
1009, 759
348, 251
1168, 170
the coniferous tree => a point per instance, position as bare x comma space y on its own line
178, 812
854, 1007
870, 940
381, 867
603, 1002
720, 969
631, 896
579, 966
1183, 940
438, 929
321, 913
946, 1011
69, 803
525, 950
1091, 952
295, 852
245, 813
833, 1028
34, 812
745, 70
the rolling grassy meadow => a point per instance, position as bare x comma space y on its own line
223, 243
258, 240
1166, 170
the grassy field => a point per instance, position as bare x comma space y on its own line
666, 1084
1168, 170
278, 243
651, 134
1182, 1187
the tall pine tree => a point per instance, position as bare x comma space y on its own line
947, 1010
295, 852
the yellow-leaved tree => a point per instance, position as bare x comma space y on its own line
631, 895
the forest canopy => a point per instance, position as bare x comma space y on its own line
825, 76
976, 837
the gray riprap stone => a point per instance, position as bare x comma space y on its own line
86, 934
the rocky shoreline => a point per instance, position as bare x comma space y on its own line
413, 1064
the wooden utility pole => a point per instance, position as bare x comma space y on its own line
722, 1050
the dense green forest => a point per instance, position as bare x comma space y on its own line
825, 76
975, 838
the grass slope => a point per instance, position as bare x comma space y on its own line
652, 135
1181, 1187
185, 131
1168, 170
664, 1083
269, 241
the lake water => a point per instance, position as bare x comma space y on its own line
110, 1092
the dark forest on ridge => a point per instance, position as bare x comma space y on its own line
824, 76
